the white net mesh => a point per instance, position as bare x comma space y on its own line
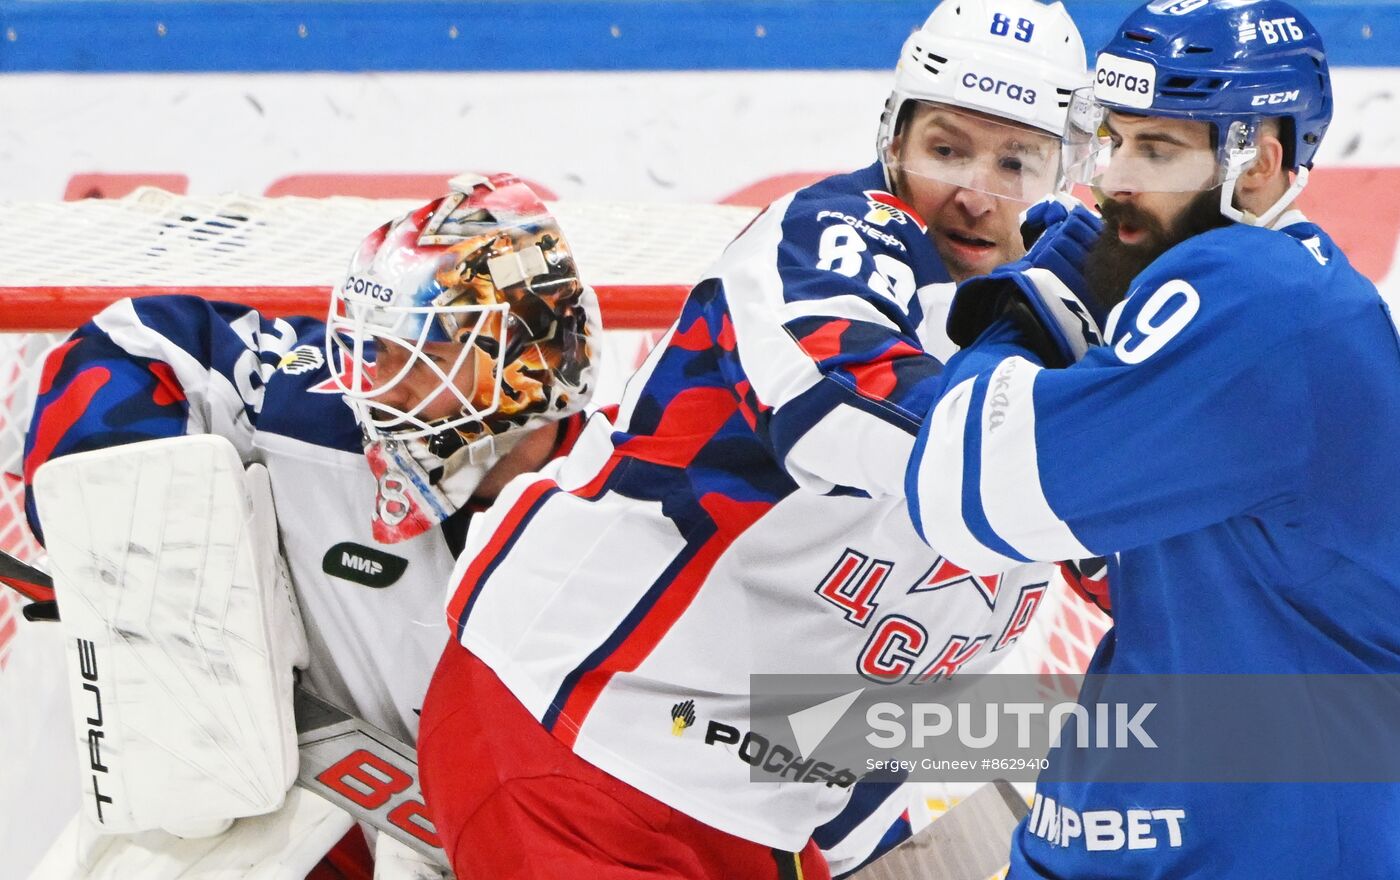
159, 239
20, 355
1060, 641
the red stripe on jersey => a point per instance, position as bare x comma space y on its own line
594, 487
745, 408
732, 517
641, 641
825, 341
470, 581
512, 523
697, 338
569, 431
877, 379
52, 364
571, 428
61, 415
725, 340
689, 421
168, 390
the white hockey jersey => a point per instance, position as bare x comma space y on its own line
165, 366
745, 514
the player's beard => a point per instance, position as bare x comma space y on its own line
1111, 266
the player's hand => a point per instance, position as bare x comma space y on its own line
1052, 211
1044, 293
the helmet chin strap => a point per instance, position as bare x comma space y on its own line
1239, 161
463, 470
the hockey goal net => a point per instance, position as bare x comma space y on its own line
64, 261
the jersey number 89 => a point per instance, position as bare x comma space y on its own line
1001, 26
840, 250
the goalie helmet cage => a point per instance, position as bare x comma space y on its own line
64, 261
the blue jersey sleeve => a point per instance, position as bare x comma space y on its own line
1195, 411
824, 304
155, 367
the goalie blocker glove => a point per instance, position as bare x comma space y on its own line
1044, 294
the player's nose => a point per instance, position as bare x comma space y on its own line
1118, 184
974, 202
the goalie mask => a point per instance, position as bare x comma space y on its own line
460, 327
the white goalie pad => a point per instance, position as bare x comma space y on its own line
283, 845
181, 632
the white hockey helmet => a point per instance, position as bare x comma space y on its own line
1019, 60
486, 265
487, 268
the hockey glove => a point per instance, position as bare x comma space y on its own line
1044, 293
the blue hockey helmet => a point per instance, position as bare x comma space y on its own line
1231, 63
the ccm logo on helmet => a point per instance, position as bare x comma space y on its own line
994, 86
364, 287
1124, 81
1274, 98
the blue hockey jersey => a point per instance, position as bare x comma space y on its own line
1233, 445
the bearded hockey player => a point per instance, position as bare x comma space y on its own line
459, 353
1231, 444
745, 514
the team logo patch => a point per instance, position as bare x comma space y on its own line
682, 717
363, 565
302, 359
886, 208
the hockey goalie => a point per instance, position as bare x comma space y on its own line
226, 497
463, 342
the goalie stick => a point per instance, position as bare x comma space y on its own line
366, 772
28, 581
374, 777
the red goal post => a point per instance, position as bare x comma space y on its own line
62, 262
